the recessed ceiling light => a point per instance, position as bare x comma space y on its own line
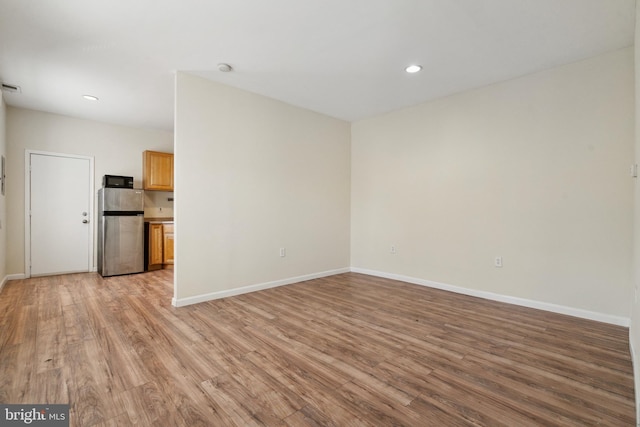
413, 68
90, 97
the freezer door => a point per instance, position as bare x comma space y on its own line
122, 245
121, 199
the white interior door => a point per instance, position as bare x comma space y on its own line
60, 214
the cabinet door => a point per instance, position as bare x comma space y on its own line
156, 239
168, 244
157, 171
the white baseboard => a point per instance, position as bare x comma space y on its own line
181, 302
10, 277
555, 308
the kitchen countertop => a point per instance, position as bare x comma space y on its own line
159, 220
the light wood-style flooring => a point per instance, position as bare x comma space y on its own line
340, 351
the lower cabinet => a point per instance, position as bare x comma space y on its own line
167, 239
158, 245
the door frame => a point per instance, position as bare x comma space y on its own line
27, 205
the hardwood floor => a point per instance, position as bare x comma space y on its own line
340, 351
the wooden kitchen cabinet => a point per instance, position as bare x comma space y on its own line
157, 171
158, 245
168, 244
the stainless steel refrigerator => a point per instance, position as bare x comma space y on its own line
120, 231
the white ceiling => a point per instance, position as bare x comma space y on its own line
343, 58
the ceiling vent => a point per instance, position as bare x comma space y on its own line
6, 87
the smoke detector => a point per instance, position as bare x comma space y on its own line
6, 87
225, 68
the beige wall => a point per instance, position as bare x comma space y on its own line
3, 199
116, 150
534, 170
254, 175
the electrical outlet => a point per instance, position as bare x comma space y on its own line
393, 249
498, 262
283, 252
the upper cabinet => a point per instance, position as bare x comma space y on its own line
157, 171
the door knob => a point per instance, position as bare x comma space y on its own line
84, 214
85, 221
